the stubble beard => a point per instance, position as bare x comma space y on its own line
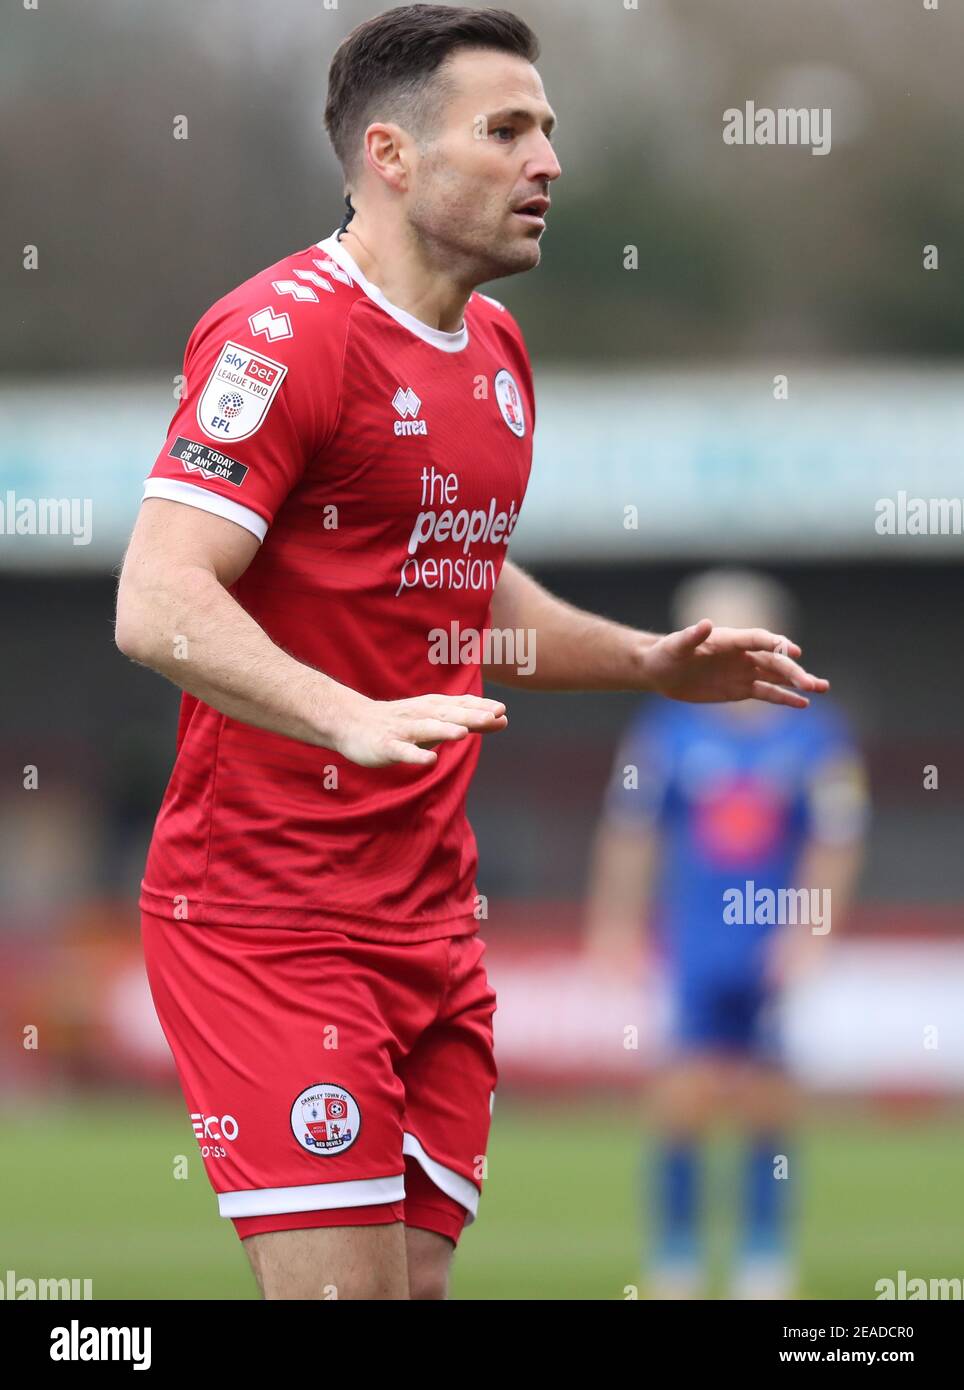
447, 227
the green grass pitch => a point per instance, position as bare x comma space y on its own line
88, 1192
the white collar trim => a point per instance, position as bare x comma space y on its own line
447, 342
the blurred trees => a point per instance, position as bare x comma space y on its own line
741, 251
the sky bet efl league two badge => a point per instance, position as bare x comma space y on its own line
325, 1119
240, 388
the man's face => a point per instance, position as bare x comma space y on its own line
489, 157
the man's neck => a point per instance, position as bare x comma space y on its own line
396, 267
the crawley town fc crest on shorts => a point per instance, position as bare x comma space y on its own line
238, 393
510, 402
325, 1119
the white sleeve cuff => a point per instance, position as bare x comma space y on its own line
173, 490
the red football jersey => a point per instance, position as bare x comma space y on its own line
382, 463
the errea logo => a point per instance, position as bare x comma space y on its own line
408, 405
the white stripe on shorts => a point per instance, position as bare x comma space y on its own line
313, 1196
451, 1183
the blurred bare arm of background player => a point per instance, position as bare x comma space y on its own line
622, 868
576, 650
174, 614
830, 864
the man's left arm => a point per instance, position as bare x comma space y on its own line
569, 649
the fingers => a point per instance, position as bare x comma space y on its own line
447, 703
772, 655
776, 695
476, 718
787, 671
424, 731
398, 751
758, 639
413, 728
415, 744
689, 637
472, 711
477, 702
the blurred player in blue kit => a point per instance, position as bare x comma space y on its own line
708, 808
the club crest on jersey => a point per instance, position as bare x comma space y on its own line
239, 391
325, 1119
509, 398
408, 405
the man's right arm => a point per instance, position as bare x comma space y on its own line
175, 615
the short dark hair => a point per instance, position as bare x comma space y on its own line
386, 66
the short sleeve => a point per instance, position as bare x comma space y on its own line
837, 796
253, 414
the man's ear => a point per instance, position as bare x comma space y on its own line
386, 153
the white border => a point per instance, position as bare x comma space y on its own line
446, 342
316, 1196
175, 490
362, 1192
451, 1183
279, 367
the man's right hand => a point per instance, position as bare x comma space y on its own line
377, 733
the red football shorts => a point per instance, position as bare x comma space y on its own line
330, 1081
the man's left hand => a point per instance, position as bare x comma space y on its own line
705, 664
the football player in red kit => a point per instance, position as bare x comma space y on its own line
337, 491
